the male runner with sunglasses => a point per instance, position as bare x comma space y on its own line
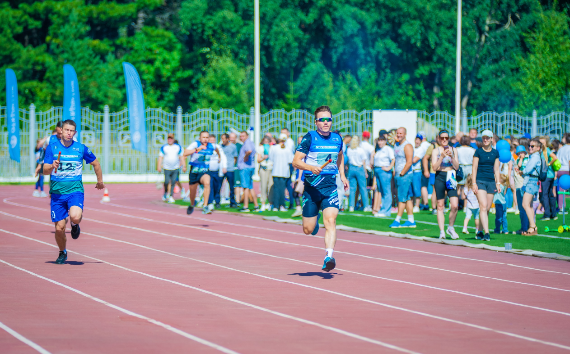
316, 149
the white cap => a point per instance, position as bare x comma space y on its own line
282, 136
487, 133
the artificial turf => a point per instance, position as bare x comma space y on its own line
427, 227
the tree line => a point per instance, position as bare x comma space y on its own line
349, 54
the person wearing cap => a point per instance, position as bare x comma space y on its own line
486, 181
384, 133
404, 154
280, 156
170, 158
518, 182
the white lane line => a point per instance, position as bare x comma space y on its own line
308, 246
320, 289
344, 240
300, 261
280, 314
23, 339
128, 312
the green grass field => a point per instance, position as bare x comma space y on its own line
427, 227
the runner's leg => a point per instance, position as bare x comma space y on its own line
205, 181
75, 214
329, 219
60, 234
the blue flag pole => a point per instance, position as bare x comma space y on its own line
135, 104
71, 101
13, 115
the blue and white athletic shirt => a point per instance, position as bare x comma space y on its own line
200, 161
171, 156
319, 149
67, 179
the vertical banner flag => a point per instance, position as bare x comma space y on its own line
135, 102
71, 102
13, 115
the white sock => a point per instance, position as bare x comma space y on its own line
329, 252
398, 218
411, 218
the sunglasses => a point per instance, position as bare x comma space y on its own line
324, 119
533, 146
486, 137
444, 137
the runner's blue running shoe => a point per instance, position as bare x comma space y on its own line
409, 224
316, 230
395, 224
329, 264
62, 258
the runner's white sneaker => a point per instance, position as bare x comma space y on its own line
36, 193
43, 194
451, 232
170, 200
442, 235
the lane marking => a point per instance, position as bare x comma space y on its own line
320, 248
300, 261
298, 319
344, 240
318, 289
23, 339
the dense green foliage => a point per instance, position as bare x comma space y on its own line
350, 54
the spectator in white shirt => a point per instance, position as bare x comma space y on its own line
265, 168
357, 173
281, 157
218, 168
383, 159
368, 148
419, 153
170, 158
290, 145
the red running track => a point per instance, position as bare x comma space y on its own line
144, 277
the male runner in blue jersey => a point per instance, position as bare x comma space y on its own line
66, 186
317, 148
200, 153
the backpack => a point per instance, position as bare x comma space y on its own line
543, 169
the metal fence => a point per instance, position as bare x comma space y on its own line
107, 134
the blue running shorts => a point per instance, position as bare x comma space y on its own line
61, 203
316, 199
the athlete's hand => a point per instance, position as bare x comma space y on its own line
344, 182
200, 148
55, 165
100, 185
316, 170
184, 169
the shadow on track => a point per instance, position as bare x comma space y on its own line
316, 274
73, 262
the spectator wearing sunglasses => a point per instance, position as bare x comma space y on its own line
530, 183
486, 179
404, 153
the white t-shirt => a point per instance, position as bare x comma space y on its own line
218, 163
281, 158
268, 164
170, 156
290, 144
384, 157
356, 157
369, 150
465, 155
563, 155
418, 152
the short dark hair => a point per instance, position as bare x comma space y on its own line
204, 131
465, 140
213, 135
225, 135
246, 133
69, 122
322, 109
59, 124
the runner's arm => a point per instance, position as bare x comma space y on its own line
301, 165
97, 168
